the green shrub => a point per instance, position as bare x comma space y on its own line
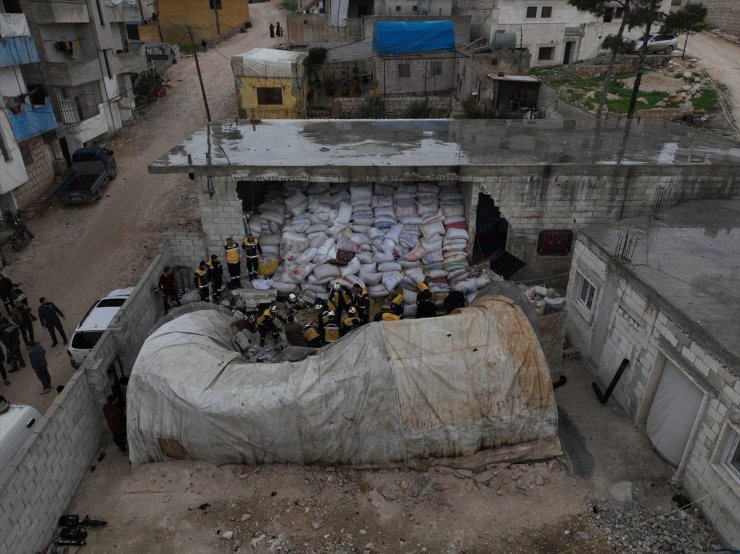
706, 100
418, 109
372, 108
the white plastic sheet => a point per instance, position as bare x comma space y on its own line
390, 393
268, 62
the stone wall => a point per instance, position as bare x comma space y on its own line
38, 483
40, 174
479, 12
311, 28
629, 321
723, 15
395, 106
557, 108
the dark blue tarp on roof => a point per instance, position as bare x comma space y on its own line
406, 37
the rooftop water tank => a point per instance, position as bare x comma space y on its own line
502, 39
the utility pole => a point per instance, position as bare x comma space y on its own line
200, 77
641, 64
218, 23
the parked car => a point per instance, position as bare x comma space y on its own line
658, 42
16, 425
92, 168
94, 324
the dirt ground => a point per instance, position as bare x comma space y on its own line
81, 253
721, 59
559, 505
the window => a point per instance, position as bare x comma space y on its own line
404, 70
398, 8
4, 149
269, 96
11, 6
554, 243
413, 8
586, 293
546, 11
608, 15
546, 53
86, 340
494, 62
731, 459
618, 13
26, 153
531, 12
215, 4
435, 69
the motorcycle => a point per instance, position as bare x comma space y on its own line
22, 235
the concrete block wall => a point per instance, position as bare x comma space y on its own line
188, 249
421, 79
723, 15
221, 212
557, 108
396, 106
40, 175
629, 321
40, 480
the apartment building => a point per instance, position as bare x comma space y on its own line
86, 64
27, 120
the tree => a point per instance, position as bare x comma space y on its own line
689, 19
617, 44
646, 15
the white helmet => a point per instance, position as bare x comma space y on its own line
307, 326
318, 306
273, 309
292, 297
352, 311
330, 314
337, 286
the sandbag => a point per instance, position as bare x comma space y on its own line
389, 266
390, 279
326, 271
369, 278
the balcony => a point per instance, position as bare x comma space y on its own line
57, 11
17, 51
73, 73
32, 121
133, 61
125, 11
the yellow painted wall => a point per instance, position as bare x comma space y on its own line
176, 15
294, 98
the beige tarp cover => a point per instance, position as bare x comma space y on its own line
390, 393
268, 62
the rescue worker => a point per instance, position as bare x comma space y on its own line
361, 301
253, 253
454, 300
352, 321
340, 299
216, 276
322, 312
396, 306
385, 314
167, 287
293, 332
311, 336
295, 303
424, 293
266, 322
233, 263
10, 336
425, 308
331, 331
201, 280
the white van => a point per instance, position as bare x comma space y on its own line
94, 324
16, 425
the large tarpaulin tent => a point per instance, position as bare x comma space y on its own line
391, 393
408, 37
269, 62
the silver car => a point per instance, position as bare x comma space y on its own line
658, 42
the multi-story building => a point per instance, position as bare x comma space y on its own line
554, 31
86, 64
27, 119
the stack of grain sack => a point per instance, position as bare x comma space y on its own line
398, 233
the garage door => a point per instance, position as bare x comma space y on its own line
672, 413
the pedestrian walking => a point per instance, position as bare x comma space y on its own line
201, 280
233, 263
278, 29
6, 290
116, 420
23, 317
2, 368
253, 252
49, 314
216, 276
168, 288
37, 355
272, 30
10, 336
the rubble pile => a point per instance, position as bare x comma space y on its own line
380, 236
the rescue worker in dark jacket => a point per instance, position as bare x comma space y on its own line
233, 263
216, 276
6, 288
396, 306
454, 300
311, 336
266, 322
424, 293
24, 318
361, 301
253, 252
352, 321
10, 336
49, 315
331, 330
340, 298
425, 308
167, 287
201, 280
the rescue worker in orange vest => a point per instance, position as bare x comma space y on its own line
322, 311
295, 303
397, 303
233, 263
266, 322
253, 253
202, 280
311, 336
385, 314
340, 298
351, 321
331, 331
424, 293
361, 301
